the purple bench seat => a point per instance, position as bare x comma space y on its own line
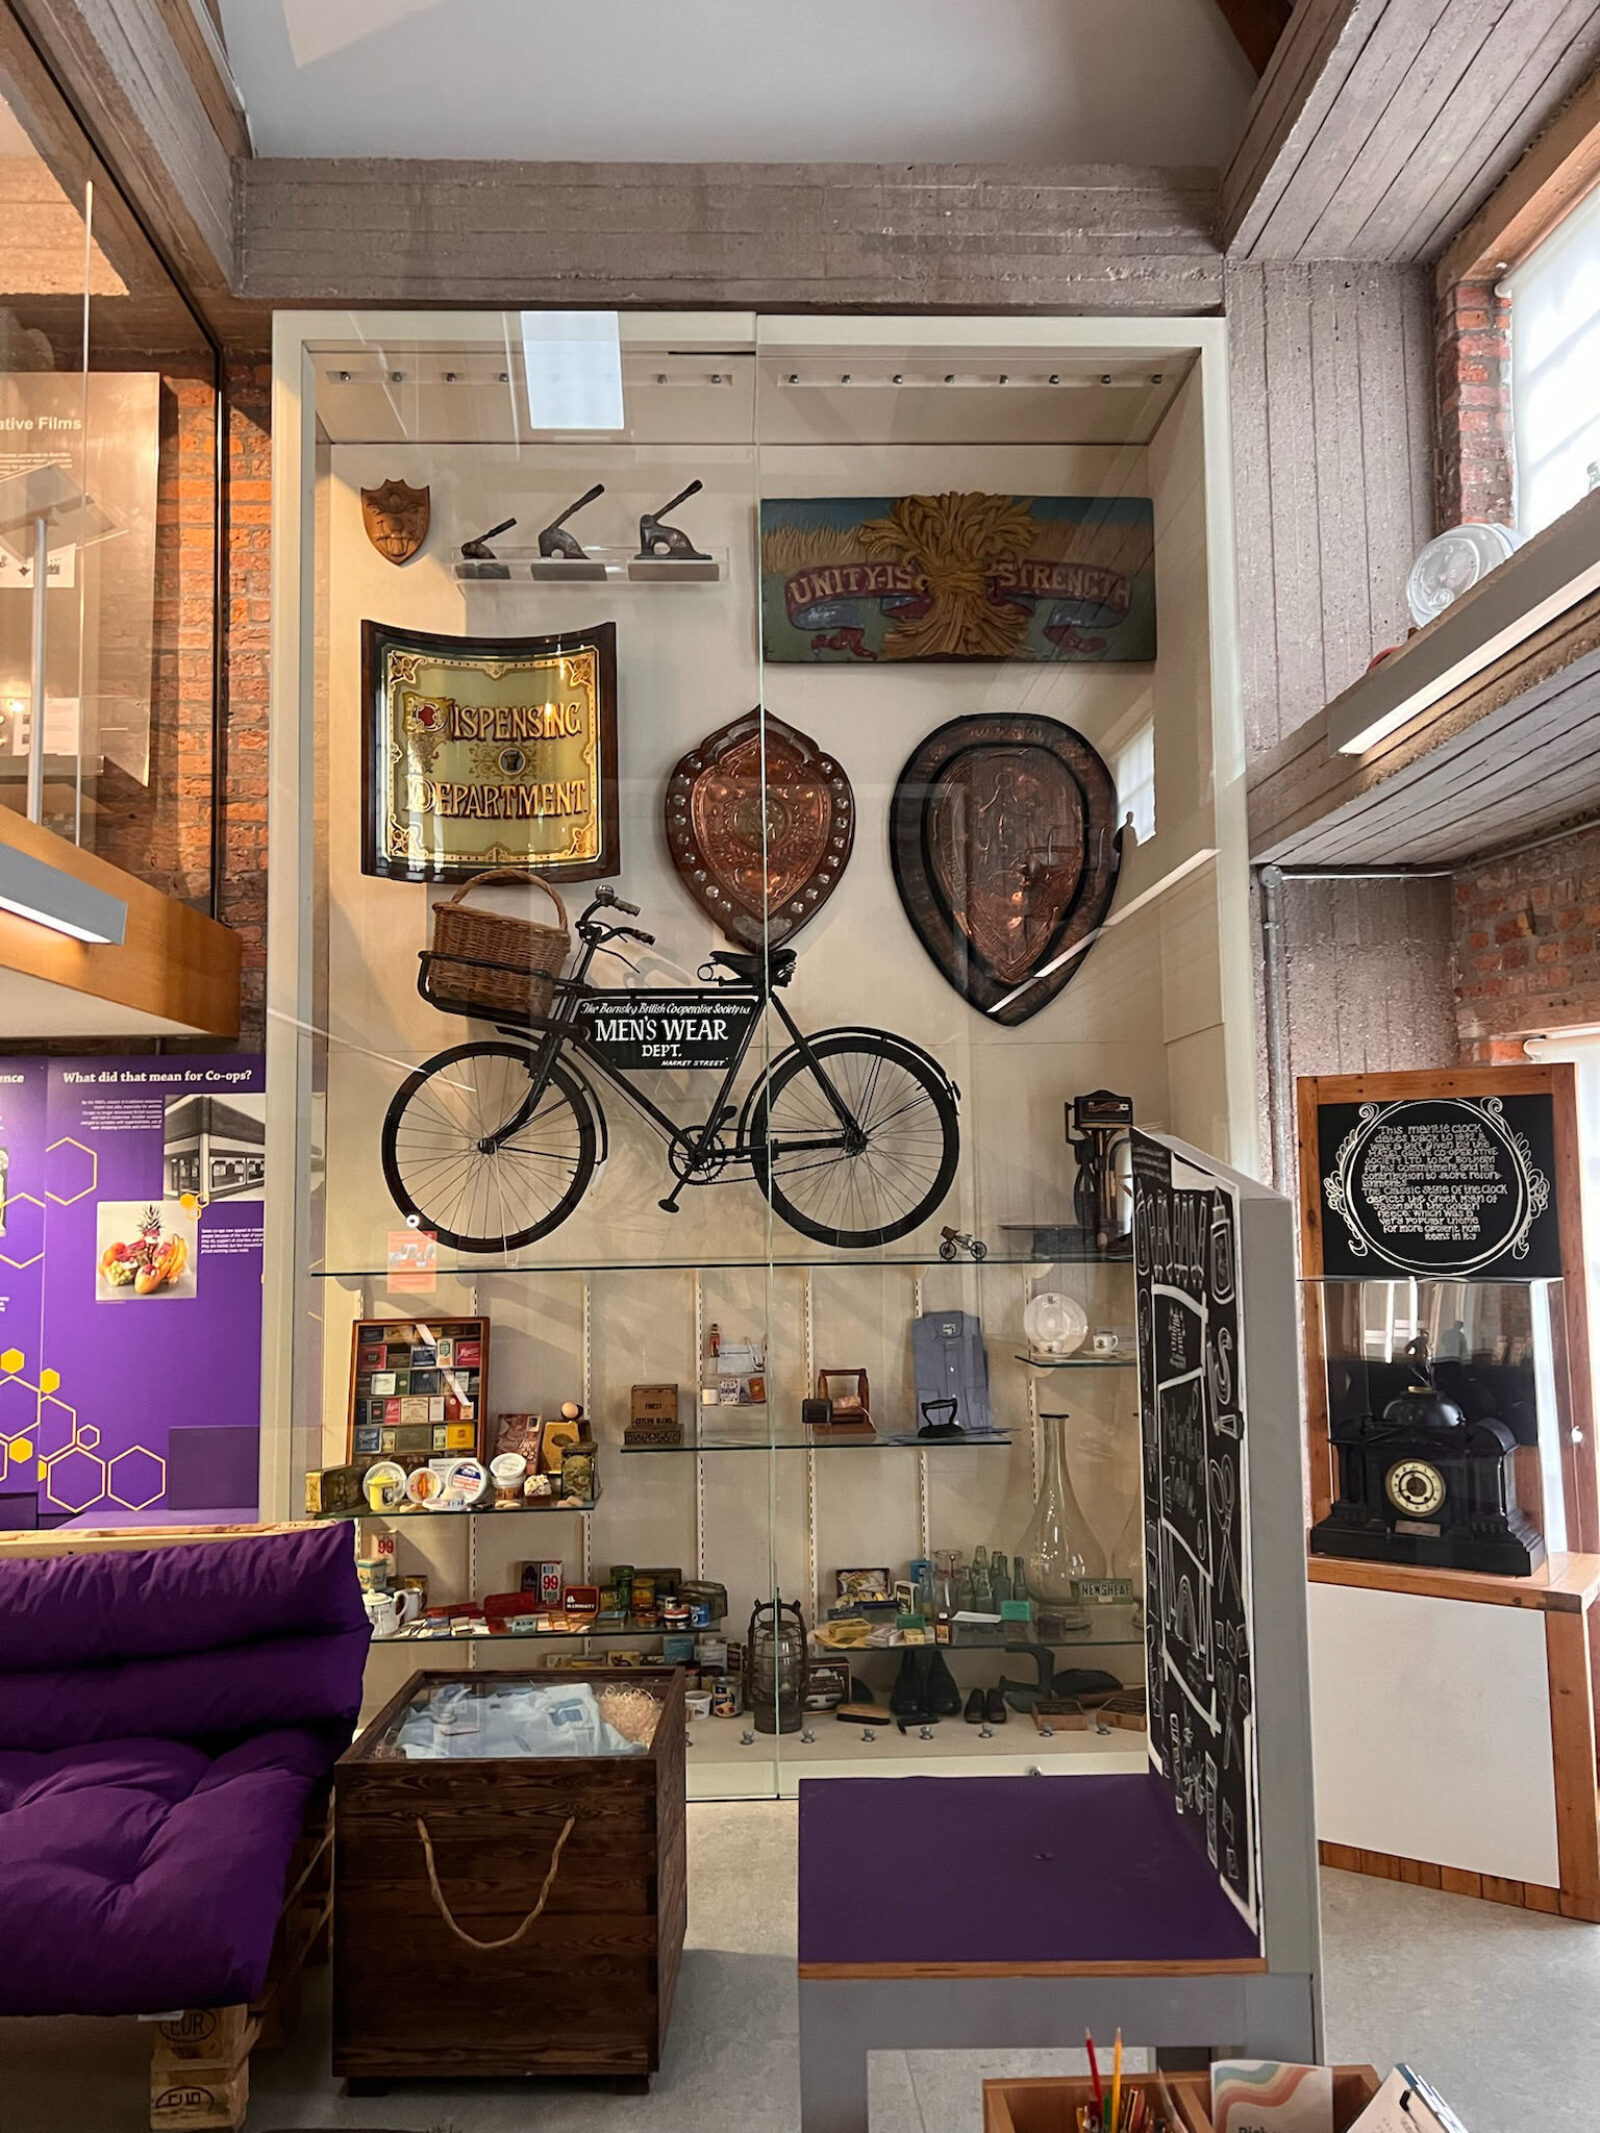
1092, 1873
165, 1718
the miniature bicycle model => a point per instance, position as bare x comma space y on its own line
851, 1134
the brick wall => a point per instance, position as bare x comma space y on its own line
1473, 461
1527, 941
161, 831
247, 405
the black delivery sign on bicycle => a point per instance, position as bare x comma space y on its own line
703, 1031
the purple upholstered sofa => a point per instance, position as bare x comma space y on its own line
165, 1717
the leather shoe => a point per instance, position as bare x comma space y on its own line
994, 1708
974, 1711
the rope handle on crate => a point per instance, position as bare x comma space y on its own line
509, 874
510, 1940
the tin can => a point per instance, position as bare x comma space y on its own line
725, 1699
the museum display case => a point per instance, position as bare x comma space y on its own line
108, 471
1453, 1560
866, 697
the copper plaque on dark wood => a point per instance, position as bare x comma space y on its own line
761, 854
1004, 840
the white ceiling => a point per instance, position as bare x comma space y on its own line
826, 81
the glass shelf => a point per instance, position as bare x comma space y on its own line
513, 564
1079, 1362
879, 1443
544, 1636
476, 1510
481, 1268
1108, 1624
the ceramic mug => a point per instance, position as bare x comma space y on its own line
407, 1604
382, 1613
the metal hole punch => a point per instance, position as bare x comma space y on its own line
667, 551
561, 554
478, 559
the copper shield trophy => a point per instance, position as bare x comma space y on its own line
1004, 840
761, 854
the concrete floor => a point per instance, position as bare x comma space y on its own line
1501, 2009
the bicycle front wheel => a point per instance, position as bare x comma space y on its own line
855, 1190
473, 1197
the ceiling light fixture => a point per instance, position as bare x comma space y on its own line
30, 889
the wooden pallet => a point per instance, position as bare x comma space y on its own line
200, 2063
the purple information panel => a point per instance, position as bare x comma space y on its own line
130, 1289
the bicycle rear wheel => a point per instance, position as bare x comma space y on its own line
479, 1199
855, 1196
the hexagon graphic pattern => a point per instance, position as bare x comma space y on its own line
75, 1478
13, 1359
19, 1408
135, 1478
23, 1244
73, 1168
58, 1428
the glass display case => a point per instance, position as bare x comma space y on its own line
1494, 1353
882, 671
108, 473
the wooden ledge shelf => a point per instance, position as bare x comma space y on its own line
175, 973
1566, 1584
1506, 753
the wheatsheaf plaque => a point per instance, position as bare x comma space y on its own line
1442, 1187
483, 752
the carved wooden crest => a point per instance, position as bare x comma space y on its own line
761, 871
1003, 836
396, 517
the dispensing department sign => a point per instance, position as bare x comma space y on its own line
485, 752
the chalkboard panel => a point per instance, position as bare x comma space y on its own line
1197, 1571
1442, 1187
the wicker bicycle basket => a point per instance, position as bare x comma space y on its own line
491, 964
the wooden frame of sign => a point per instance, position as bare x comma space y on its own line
481, 752
1550, 1243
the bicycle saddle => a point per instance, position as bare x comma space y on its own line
779, 964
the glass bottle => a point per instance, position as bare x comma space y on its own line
1059, 1546
999, 1578
946, 1581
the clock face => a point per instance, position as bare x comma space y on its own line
1414, 1487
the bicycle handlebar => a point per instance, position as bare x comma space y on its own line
609, 897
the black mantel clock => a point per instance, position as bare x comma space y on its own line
1425, 1485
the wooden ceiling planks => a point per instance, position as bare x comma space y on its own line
1380, 126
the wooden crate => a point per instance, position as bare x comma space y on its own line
1048, 2104
588, 1989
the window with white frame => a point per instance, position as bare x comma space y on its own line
1555, 368
1134, 769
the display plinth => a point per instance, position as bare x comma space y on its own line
1440, 1211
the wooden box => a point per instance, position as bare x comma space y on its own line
587, 1989
1049, 2104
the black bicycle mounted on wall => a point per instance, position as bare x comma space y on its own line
851, 1134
